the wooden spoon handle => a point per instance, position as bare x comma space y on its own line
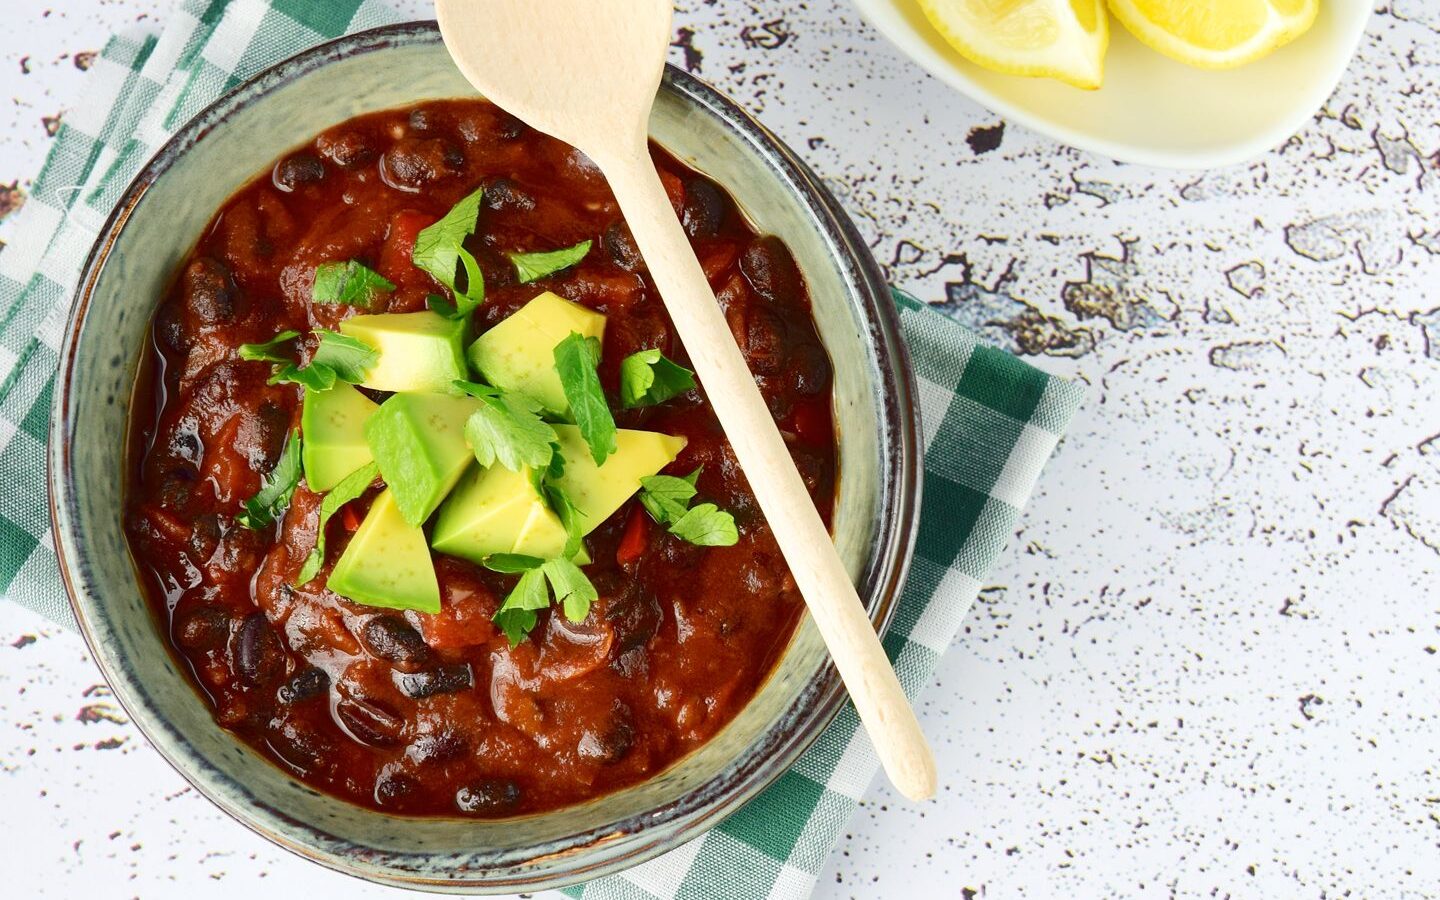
803, 538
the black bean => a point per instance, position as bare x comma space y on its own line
809, 370
312, 682
509, 127
503, 193
394, 640
299, 744
412, 162
765, 334
346, 149
488, 797
202, 628
635, 614
208, 291
704, 208
302, 168
177, 486
443, 680
768, 266
422, 119
170, 331
261, 436
256, 654
370, 721
610, 744
437, 747
393, 787
205, 535
620, 244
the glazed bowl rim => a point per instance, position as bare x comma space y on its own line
644, 835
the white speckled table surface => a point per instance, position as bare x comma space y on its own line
1210, 663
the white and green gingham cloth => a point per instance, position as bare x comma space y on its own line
990, 422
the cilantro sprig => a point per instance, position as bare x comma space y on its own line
349, 488
533, 266
337, 357
648, 377
576, 359
349, 283
270, 350
571, 588
507, 427
667, 499
276, 488
440, 250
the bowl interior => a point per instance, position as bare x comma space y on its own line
1151, 109
241, 137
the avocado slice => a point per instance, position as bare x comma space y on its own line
519, 353
333, 423
419, 351
597, 491
387, 562
495, 510
419, 444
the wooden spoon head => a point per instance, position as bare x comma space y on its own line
584, 71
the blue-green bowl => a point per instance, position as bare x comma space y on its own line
156, 222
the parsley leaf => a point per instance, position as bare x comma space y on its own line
648, 378
573, 590
516, 616
532, 266
349, 488
706, 525
349, 358
270, 350
316, 378
569, 514
667, 499
507, 427
512, 563
575, 360
440, 248
440, 304
276, 488
350, 283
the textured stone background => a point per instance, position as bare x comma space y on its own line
1210, 664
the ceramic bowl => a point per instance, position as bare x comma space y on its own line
1152, 110
163, 213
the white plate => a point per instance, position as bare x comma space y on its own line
1152, 110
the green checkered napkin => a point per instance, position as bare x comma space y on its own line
990, 421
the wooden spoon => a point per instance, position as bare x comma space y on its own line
586, 72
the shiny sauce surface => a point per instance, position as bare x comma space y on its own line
437, 714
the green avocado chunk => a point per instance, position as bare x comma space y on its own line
419, 444
333, 424
495, 510
387, 563
597, 491
519, 353
419, 351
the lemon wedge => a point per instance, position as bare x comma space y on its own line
1063, 39
1215, 34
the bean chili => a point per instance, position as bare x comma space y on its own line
438, 714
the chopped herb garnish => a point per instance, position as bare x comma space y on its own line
349, 358
349, 283
270, 350
531, 266
441, 304
568, 513
576, 358
508, 427
276, 488
571, 588
440, 250
706, 525
667, 499
516, 616
349, 488
337, 356
648, 378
